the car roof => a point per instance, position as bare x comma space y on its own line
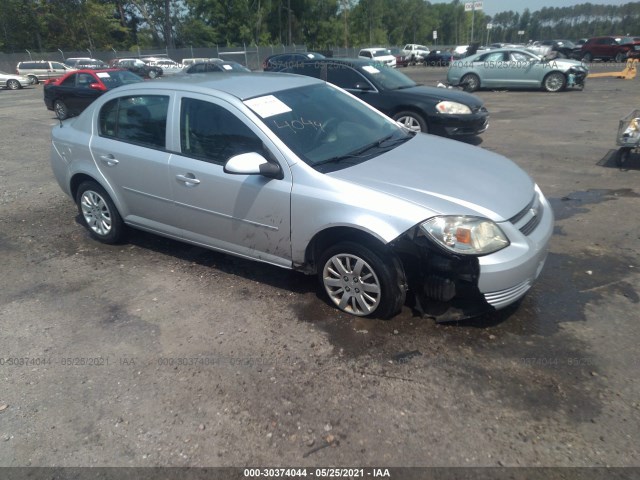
242, 85
373, 49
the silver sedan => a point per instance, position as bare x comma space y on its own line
516, 68
13, 82
295, 172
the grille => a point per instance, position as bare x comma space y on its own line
529, 217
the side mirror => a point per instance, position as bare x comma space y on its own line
252, 164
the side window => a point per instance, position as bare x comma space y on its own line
70, 81
213, 134
57, 66
85, 79
343, 76
494, 57
212, 67
197, 68
139, 119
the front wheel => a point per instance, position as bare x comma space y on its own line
554, 82
13, 84
99, 214
470, 82
362, 280
620, 57
412, 121
587, 57
153, 74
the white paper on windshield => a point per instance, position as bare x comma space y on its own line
227, 67
370, 69
103, 75
267, 106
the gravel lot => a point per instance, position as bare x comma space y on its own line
155, 353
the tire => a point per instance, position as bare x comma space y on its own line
345, 267
13, 84
152, 74
61, 110
412, 121
620, 57
471, 82
587, 57
623, 157
99, 214
34, 79
554, 82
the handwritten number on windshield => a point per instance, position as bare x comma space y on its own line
299, 124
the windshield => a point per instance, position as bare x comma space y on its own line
322, 125
116, 78
381, 53
385, 77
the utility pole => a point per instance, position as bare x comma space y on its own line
289, 10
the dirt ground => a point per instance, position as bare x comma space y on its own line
156, 353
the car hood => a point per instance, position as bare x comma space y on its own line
446, 177
436, 94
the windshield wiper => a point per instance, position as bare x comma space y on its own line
359, 152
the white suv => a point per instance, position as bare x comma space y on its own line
382, 55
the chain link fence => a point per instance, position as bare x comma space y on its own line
249, 56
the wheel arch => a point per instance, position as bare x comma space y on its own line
419, 110
331, 235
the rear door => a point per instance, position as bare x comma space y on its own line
82, 94
130, 151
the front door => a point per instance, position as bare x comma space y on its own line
248, 215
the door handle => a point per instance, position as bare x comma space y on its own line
189, 179
109, 160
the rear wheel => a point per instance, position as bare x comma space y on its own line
13, 84
554, 82
470, 82
153, 74
412, 121
99, 214
362, 280
61, 109
587, 57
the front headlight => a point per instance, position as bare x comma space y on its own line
466, 235
452, 108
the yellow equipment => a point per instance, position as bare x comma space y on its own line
628, 73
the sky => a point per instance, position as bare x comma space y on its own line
491, 7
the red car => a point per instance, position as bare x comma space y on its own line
616, 48
70, 94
